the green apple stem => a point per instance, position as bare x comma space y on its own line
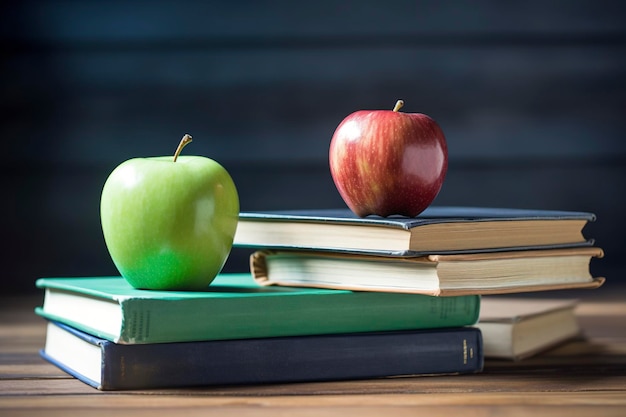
183, 142
398, 105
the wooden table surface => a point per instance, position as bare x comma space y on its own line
586, 377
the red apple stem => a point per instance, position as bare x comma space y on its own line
398, 105
186, 140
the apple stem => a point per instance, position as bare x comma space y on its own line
183, 142
398, 105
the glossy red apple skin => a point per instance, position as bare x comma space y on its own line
386, 162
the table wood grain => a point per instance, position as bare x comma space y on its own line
584, 377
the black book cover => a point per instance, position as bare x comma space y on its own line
270, 360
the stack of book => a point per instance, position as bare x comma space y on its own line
115, 337
330, 297
446, 251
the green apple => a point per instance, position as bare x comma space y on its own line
169, 223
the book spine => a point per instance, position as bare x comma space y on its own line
292, 359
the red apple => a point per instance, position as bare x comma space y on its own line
386, 162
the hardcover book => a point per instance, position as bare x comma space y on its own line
436, 230
517, 328
437, 275
109, 366
234, 306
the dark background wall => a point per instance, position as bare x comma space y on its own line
531, 96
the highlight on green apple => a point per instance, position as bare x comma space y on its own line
169, 222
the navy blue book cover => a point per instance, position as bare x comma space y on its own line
437, 230
270, 360
433, 214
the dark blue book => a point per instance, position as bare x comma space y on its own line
437, 230
109, 366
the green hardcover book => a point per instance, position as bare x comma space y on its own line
235, 307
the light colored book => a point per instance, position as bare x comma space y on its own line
438, 230
517, 328
438, 275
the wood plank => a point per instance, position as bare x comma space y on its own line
514, 383
153, 402
558, 377
184, 19
22, 369
491, 102
343, 411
